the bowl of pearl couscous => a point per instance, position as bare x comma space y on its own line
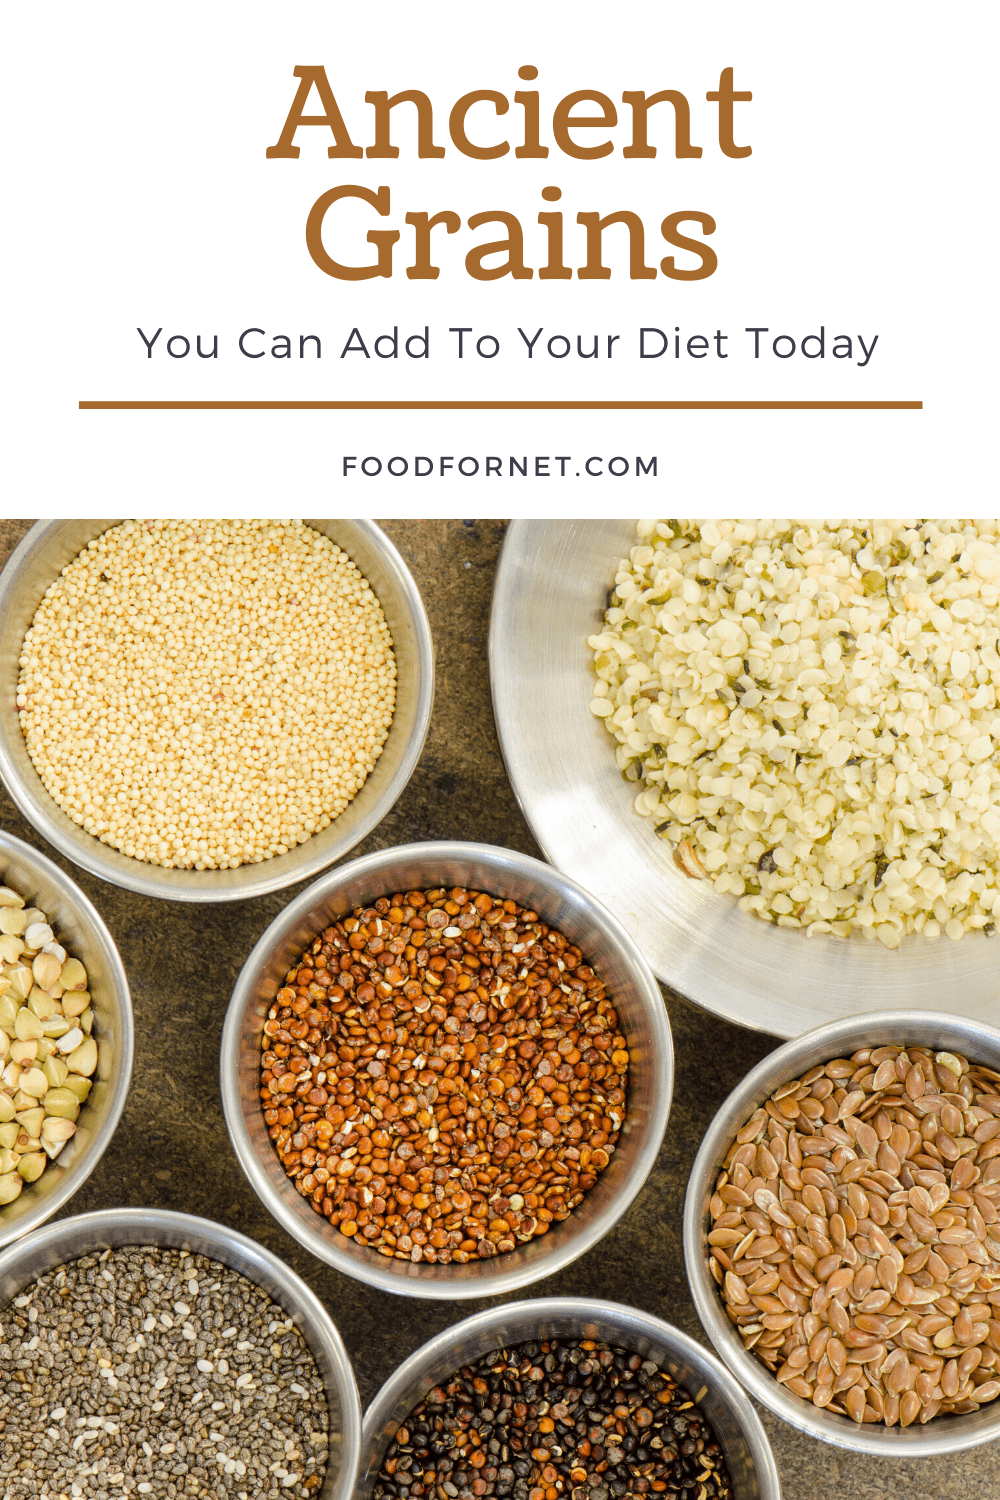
210, 710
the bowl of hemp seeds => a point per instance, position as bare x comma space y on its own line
66, 1038
446, 1070
155, 1353
568, 1398
771, 748
210, 710
842, 1233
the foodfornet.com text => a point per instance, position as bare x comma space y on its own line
492, 466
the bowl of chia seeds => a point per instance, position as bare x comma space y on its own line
70, 928
154, 1353
562, 1396
841, 1233
446, 1070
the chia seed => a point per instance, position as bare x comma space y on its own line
145, 1371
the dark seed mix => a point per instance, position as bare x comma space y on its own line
155, 1372
443, 1075
541, 1421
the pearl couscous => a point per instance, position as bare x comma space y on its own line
202, 695
810, 710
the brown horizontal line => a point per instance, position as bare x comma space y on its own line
501, 405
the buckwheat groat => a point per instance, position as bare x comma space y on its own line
811, 711
48, 1055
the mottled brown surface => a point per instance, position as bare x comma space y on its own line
171, 1148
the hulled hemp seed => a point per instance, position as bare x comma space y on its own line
808, 711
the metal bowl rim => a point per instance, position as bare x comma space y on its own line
321, 1245
122, 1001
269, 876
779, 1066
545, 1308
147, 1222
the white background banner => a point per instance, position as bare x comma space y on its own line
144, 216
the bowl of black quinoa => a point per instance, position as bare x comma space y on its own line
569, 1398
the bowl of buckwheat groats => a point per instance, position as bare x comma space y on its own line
842, 1233
66, 1038
564, 1397
155, 1353
446, 1070
210, 710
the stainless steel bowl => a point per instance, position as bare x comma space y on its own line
736, 1424
550, 594
565, 906
942, 1434
111, 1227
78, 926
33, 566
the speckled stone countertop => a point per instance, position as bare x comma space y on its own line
171, 1147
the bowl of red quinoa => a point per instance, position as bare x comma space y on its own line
446, 1070
184, 712
887, 1340
564, 1396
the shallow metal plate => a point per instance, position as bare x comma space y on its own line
550, 594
